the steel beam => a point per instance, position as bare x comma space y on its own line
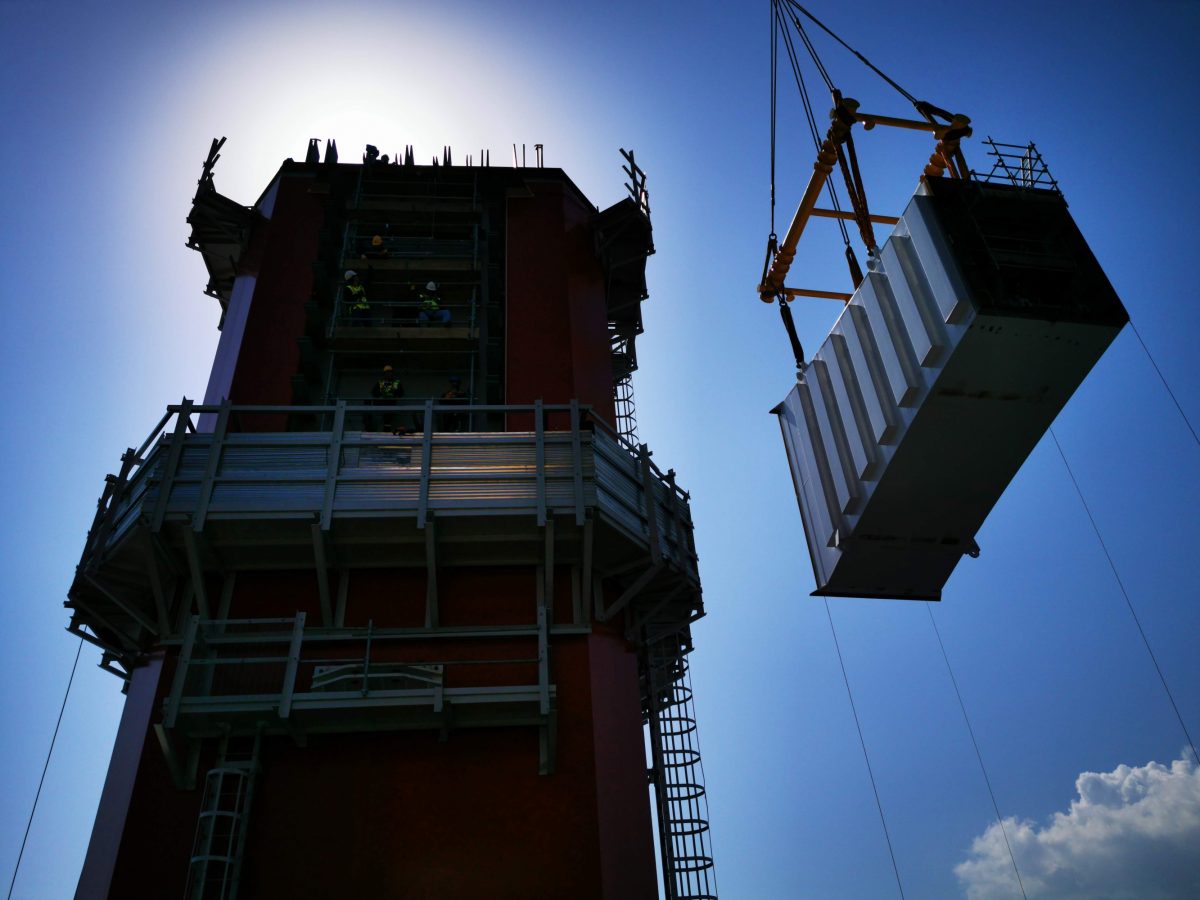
190, 545
156, 588
539, 455
632, 591
548, 566
293, 663
175, 698
651, 504
211, 467
339, 617
226, 601
543, 651
639, 622
182, 770
171, 464
431, 589
850, 217
426, 462
819, 295
129, 610
320, 558
577, 463
334, 464
585, 572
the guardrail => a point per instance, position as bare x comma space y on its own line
398, 314
258, 671
203, 462
1020, 165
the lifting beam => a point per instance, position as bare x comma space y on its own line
844, 115
946, 155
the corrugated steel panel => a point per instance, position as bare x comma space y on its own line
375, 495
936, 382
266, 496
288, 461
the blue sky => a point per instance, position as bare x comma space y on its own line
108, 113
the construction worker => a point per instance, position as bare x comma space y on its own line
377, 249
454, 395
356, 299
431, 310
388, 391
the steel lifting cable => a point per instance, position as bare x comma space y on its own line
870, 65
774, 94
1163, 379
978, 753
812, 51
45, 767
785, 312
814, 130
862, 741
1128, 602
847, 159
854, 188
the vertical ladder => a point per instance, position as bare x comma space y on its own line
221, 826
678, 778
625, 410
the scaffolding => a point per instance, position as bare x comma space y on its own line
1020, 165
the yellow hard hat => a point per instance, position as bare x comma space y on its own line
376, 241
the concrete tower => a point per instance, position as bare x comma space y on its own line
406, 631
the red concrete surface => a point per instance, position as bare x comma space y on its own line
419, 814
557, 339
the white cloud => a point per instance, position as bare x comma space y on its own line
1130, 833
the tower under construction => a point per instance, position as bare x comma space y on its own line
403, 608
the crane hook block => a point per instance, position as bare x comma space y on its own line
982, 314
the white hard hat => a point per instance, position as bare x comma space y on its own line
350, 273
432, 286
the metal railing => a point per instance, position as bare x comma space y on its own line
427, 243
397, 314
225, 461
258, 671
1020, 165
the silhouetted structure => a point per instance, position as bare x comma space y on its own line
365, 664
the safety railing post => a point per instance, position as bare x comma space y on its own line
334, 464
577, 463
426, 463
366, 676
539, 451
293, 665
171, 464
181, 672
212, 467
650, 503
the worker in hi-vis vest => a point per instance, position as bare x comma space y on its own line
388, 391
356, 299
431, 310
